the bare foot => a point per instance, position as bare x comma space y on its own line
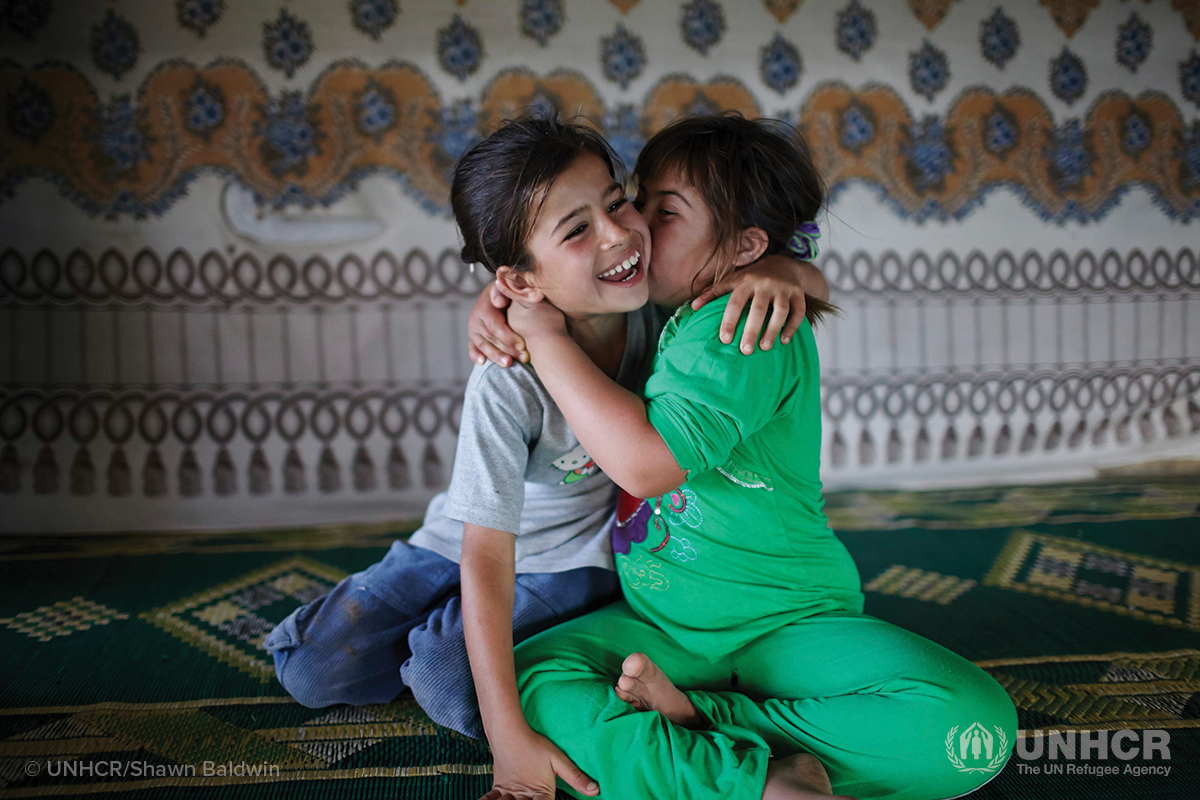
798, 777
647, 688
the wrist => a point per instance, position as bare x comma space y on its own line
514, 736
545, 342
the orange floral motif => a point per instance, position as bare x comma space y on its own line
1070, 14
136, 154
782, 9
624, 5
517, 90
930, 12
679, 95
1025, 163
1191, 14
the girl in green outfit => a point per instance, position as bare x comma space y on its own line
740, 663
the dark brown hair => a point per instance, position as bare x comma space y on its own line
500, 184
752, 173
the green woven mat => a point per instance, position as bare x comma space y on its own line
140, 654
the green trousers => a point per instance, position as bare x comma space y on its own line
889, 713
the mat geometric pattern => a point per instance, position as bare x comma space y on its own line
132, 665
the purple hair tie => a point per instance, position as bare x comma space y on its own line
804, 241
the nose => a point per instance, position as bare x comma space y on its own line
612, 233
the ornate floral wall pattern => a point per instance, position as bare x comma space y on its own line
308, 148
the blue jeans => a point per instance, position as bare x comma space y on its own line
399, 624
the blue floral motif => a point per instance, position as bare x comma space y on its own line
702, 104
373, 17
455, 128
1188, 153
788, 117
287, 42
1189, 78
1136, 134
199, 15
290, 134
375, 110
1068, 77
460, 48
929, 156
622, 56
541, 19
1000, 132
928, 70
623, 129
780, 64
204, 106
27, 17
856, 127
460, 129
1134, 40
855, 30
1070, 157
999, 38
121, 143
544, 104
30, 111
115, 45
703, 24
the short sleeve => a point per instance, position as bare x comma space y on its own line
499, 416
705, 397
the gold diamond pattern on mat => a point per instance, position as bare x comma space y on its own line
230, 621
61, 619
916, 583
1136, 690
186, 734
347, 730
1150, 589
1006, 507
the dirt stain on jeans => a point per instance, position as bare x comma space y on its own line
354, 612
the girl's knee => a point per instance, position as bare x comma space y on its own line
303, 677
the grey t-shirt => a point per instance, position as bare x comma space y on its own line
520, 469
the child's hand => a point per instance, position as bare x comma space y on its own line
777, 281
488, 331
535, 320
525, 767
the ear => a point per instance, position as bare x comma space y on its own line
517, 286
751, 245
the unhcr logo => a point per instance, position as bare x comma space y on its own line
976, 749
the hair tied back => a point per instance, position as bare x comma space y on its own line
804, 241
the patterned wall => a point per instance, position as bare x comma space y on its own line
1012, 234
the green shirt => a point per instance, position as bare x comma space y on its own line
743, 547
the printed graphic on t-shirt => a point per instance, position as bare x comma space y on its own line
640, 573
577, 465
658, 522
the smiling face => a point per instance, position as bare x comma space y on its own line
589, 246
682, 231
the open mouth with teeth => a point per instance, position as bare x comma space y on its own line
624, 272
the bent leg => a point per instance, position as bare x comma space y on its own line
884, 709
566, 678
439, 671
347, 646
